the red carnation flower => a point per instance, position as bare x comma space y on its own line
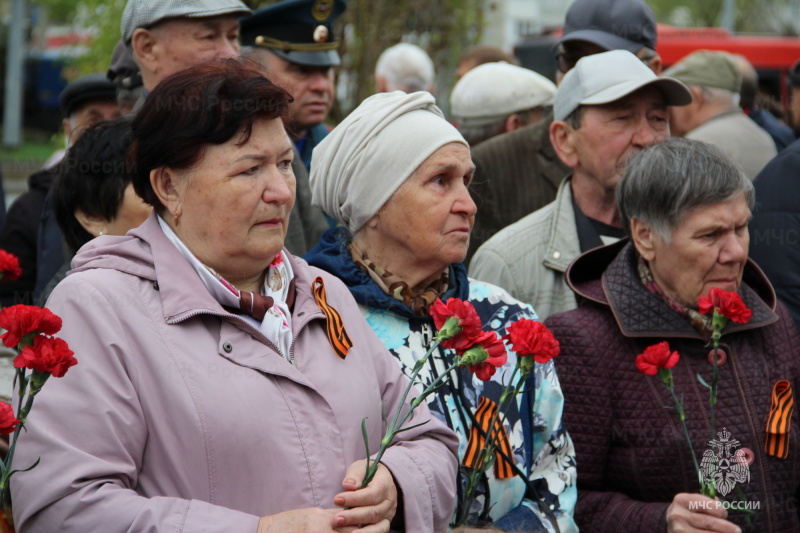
9, 266
531, 338
486, 356
656, 357
468, 321
8, 422
728, 303
21, 320
48, 354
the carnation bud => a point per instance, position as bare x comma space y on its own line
450, 329
474, 356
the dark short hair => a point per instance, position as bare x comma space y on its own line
92, 177
662, 183
202, 105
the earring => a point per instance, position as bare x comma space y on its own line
100, 234
177, 217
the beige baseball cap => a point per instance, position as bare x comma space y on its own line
604, 78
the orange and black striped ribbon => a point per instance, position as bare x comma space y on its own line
780, 419
334, 326
477, 437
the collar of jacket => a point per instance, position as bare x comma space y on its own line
42, 179
607, 276
332, 255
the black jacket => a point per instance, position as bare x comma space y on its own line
18, 236
775, 228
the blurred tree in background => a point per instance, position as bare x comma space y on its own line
101, 16
444, 28
751, 16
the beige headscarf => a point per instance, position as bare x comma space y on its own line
366, 158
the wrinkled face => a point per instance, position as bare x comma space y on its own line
235, 203
130, 213
610, 134
311, 87
708, 249
89, 114
185, 42
430, 217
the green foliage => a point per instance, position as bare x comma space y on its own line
750, 16
101, 16
444, 28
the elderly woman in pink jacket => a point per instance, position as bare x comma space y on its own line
222, 382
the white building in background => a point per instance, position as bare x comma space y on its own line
506, 22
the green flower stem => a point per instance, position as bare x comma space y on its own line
398, 420
718, 321
682, 418
23, 415
489, 446
666, 378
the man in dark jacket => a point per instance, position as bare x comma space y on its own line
775, 228
518, 172
85, 101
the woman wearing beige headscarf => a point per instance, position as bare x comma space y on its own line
395, 175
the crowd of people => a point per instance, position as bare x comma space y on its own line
249, 290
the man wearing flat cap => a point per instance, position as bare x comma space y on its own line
294, 41
607, 108
85, 101
496, 98
167, 36
518, 172
714, 116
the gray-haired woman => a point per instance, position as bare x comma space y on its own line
686, 207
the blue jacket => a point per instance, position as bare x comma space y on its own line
543, 455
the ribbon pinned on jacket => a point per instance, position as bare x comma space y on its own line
477, 437
334, 326
780, 419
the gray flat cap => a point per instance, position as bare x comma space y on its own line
145, 13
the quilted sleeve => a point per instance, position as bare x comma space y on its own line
588, 417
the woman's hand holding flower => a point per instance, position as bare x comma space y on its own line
706, 517
371, 508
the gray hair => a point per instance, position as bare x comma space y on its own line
406, 68
721, 96
665, 181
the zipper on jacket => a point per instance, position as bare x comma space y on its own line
306, 320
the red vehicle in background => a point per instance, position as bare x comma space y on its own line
772, 57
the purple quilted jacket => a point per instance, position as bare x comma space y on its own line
632, 455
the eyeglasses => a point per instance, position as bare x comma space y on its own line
566, 62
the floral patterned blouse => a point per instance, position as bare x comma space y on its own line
543, 487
